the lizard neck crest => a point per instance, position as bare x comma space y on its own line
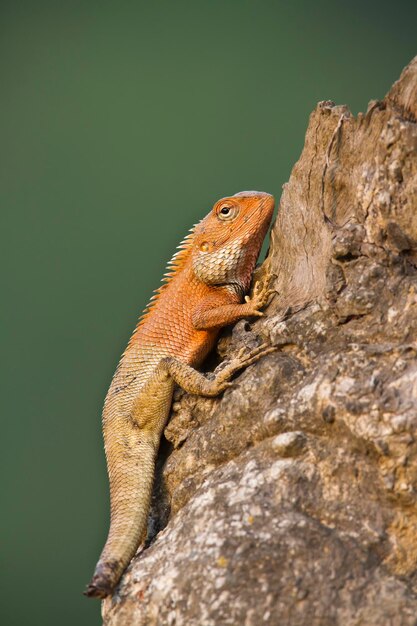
174, 266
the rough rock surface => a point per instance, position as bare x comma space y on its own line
291, 500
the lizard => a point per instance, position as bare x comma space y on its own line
203, 290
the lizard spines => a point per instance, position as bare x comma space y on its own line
174, 266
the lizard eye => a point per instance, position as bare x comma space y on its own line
226, 212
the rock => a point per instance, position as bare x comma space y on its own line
289, 444
292, 498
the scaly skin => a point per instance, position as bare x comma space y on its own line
204, 289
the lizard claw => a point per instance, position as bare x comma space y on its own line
241, 360
225, 385
259, 299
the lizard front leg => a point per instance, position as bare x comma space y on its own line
221, 309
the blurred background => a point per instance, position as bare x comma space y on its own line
121, 124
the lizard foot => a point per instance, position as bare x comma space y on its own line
260, 297
241, 360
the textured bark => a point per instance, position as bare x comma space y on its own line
291, 500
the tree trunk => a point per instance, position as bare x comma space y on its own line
293, 497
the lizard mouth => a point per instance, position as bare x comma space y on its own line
264, 209
261, 214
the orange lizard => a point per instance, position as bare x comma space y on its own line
204, 290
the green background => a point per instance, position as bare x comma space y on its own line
121, 123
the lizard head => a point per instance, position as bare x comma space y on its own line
227, 242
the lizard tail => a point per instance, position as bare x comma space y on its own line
131, 456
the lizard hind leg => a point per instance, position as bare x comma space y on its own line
196, 383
